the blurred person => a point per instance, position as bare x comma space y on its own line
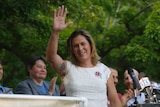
84, 75
130, 85
127, 93
4, 90
115, 78
36, 83
62, 89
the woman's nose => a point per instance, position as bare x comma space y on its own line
130, 80
80, 47
44, 69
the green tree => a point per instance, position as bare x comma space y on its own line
126, 33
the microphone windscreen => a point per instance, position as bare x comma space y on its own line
141, 75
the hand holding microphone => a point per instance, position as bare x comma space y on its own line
136, 85
134, 78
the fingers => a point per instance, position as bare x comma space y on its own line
55, 14
126, 97
128, 93
53, 80
59, 19
52, 85
61, 11
68, 23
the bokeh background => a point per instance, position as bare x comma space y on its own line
126, 33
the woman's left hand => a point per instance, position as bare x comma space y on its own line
52, 85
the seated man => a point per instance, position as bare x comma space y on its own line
4, 90
36, 83
129, 84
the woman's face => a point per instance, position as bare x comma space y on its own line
38, 71
1, 71
81, 48
128, 80
115, 76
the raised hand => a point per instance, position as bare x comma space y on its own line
59, 19
126, 96
52, 85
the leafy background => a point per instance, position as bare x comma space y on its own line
126, 33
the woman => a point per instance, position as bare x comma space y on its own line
36, 84
84, 75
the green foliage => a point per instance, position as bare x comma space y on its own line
127, 34
152, 28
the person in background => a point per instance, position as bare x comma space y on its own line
129, 84
36, 83
4, 90
128, 92
84, 75
62, 89
115, 78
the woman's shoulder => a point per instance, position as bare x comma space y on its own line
68, 62
4, 87
24, 82
100, 64
6, 90
103, 67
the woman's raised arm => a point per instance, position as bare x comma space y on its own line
57, 26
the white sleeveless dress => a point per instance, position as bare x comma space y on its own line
87, 82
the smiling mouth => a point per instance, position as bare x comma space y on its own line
82, 53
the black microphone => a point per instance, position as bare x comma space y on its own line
134, 78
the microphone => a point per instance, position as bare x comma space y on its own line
134, 78
146, 84
136, 85
144, 80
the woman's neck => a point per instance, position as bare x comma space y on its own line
38, 81
86, 64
